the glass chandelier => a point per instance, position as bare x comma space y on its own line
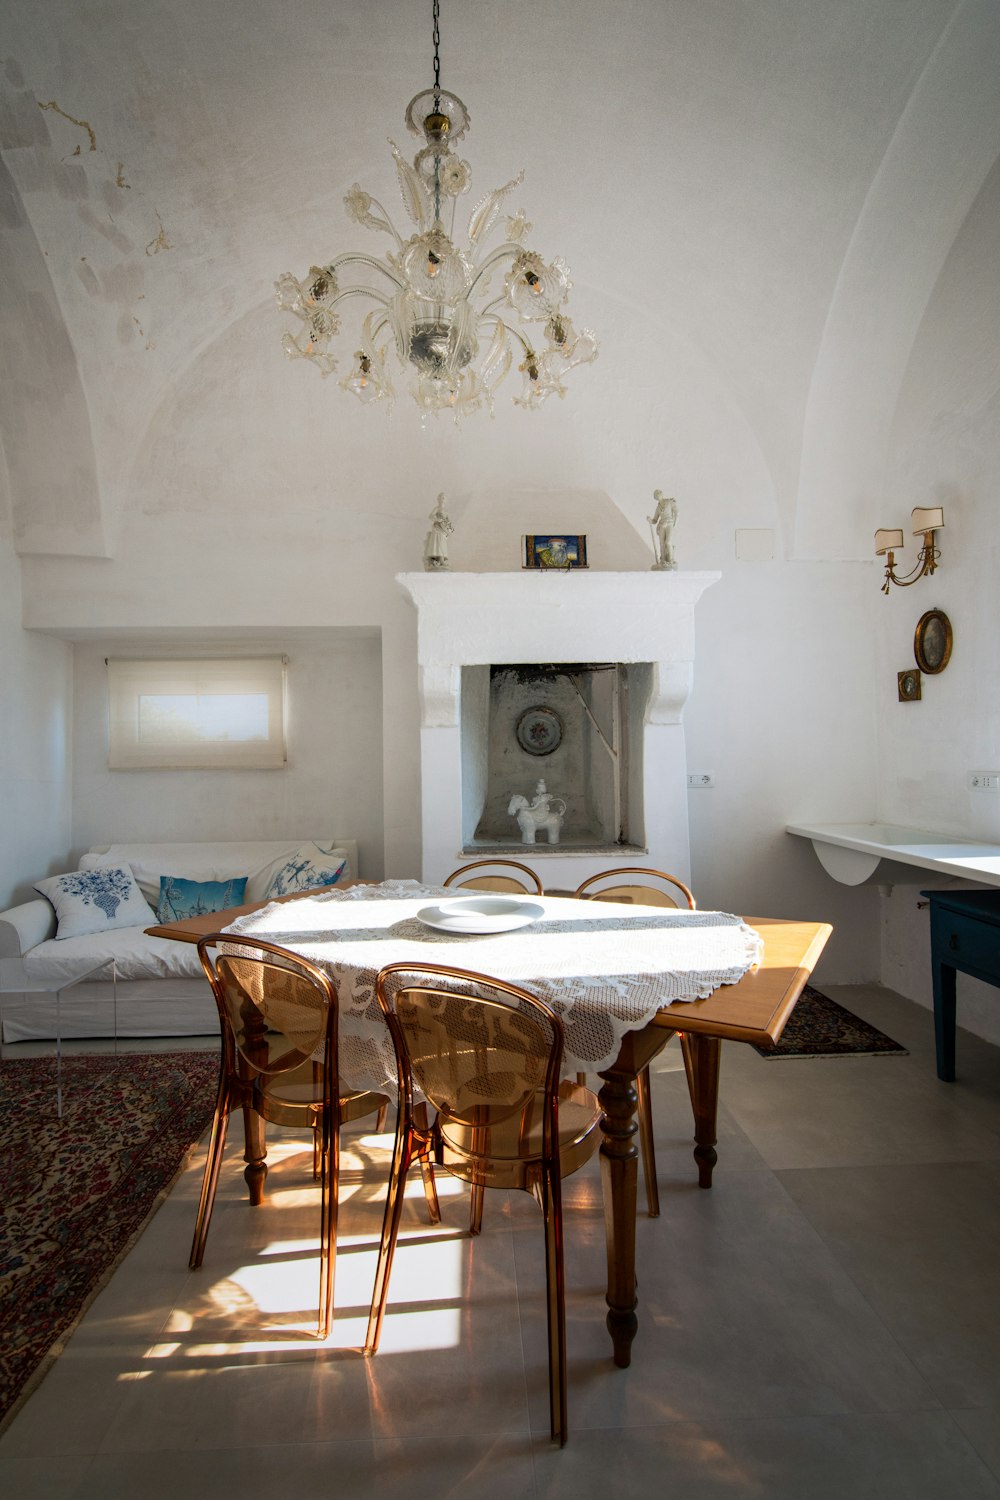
456, 316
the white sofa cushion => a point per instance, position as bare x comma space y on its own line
136, 956
95, 901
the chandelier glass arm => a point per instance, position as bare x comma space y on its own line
385, 224
509, 251
361, 291
489, 316
360, 259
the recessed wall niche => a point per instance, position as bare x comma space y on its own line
574, 725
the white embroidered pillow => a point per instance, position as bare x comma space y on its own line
309, 868
95, 901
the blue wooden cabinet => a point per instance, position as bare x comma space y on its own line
965, 935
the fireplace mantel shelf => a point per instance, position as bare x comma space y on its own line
546, 583
545, 615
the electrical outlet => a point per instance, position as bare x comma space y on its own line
979, 781
700, 779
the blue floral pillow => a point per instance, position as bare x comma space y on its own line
95, 901
304, 872
195, 898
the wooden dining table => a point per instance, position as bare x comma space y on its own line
754, 1009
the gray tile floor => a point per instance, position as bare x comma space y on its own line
825, 1323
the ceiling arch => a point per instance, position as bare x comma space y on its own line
45, 428
946, 143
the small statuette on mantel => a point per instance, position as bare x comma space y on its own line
661, 524
436, 545
542, 812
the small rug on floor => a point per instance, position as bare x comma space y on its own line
819, 1027
75, 1193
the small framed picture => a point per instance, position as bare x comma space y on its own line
909, 685
554, 552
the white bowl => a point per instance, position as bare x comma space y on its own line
488, 904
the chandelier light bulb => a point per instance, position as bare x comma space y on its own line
451, 313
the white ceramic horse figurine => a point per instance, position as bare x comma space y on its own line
538, 814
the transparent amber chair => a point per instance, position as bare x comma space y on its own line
638, 886
489, 1059
278, 1017
496, 875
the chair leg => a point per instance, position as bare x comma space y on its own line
381, 1117
555, 1288
401, 1157
329, 1197
210, 1181
476, 1208
427, 1166
644, 1115
478, 1195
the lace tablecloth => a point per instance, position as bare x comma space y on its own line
605, 969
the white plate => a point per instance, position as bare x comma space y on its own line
476, 915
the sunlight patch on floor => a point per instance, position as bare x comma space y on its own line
270, 1304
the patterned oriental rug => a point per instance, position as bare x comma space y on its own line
76, 1193
819, 1027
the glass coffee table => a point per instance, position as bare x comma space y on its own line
15, 982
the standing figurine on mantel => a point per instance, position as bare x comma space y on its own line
436, 545
662, 523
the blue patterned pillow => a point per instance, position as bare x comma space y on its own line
95, 901
304, 872
195, 898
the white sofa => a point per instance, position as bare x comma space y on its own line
161, 989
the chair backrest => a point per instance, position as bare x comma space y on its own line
637, 885
276, 1009
478, 1048
496, 875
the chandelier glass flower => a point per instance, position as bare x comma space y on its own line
456, 315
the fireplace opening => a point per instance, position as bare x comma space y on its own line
564, 738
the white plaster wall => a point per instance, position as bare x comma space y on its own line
332, 782
946, 450
782, 716
36, 691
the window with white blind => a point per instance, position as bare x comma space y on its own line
197, 714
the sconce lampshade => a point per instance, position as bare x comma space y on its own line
887, 540
928, 518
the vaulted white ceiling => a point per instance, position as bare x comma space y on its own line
756, 199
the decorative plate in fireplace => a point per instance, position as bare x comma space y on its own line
539, 731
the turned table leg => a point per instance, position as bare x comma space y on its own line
702, 1056
254, 1154
619, 1175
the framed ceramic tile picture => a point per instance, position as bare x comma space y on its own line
545, 550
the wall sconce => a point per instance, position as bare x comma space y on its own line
926, 521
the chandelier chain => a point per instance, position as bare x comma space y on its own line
437, 47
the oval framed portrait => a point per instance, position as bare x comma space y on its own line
932, 641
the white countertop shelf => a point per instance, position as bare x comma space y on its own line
851, 852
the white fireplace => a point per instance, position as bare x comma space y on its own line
544, 630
